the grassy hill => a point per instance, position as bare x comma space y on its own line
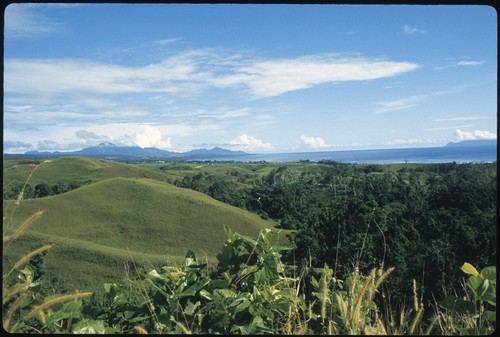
97, 230
68, 169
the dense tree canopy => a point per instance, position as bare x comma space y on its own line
423, 220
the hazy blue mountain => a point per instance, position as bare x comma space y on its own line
477, 142
109, 150
129, 151
215, 152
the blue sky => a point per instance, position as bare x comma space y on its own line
258, 78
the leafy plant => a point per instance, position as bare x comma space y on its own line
474, 313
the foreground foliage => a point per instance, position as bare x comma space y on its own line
250, 292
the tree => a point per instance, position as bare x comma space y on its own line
42, 190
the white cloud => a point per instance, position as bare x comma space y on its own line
189, 72
400, 104
152, 137
250, 143
60, 77
16, 146
21, 21
462, 63
161, 42
407, 29
476, 134
315, 142
459, 118
469, 63
404, 103
87, 136
412, 141
71, 138
452, 127
275, 77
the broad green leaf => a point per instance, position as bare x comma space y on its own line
154, 273
271, 267
469, 269
473, 283
270, 238
314, 283
487, 292
206, 295
229, 233
69, 310
458, 305
490, 273
190, 258
191, 307
249, 240
219, 284
260, 325
107, 287
89, 326
194, 288
490, 316
483, 288
245, 303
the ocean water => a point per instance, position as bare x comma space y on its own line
445, 154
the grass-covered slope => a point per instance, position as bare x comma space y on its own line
69, 169
96, 226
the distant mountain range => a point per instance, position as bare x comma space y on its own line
111, 151
477, 142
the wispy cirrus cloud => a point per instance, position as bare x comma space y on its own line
275, 77
60, 76
22, 21
449, 119
469, 63
161, 42
196, 69
460, 63
404, 103
453, 127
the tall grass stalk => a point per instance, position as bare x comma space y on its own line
22, 227
325, 283
25, 259
31, 219
140, 330
356, 311
54, 301
8, 315
185, 330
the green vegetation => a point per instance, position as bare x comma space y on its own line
423, 218
98, 227
250, 292
66, 171
121, 221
